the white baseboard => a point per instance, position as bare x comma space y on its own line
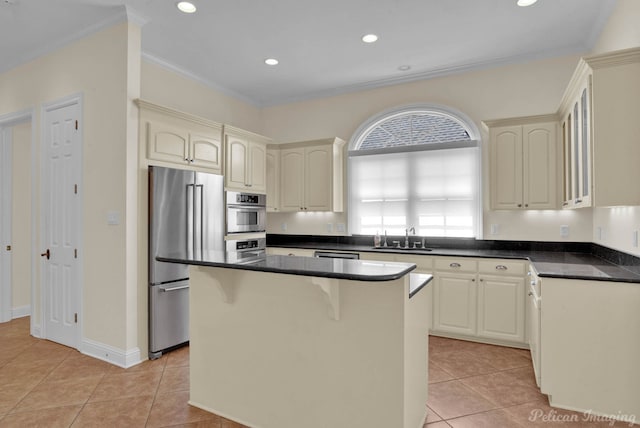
21, 311
110, 354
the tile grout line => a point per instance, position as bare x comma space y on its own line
155, 395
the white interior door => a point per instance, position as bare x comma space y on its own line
5, 224
61, 217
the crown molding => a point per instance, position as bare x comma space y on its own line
524, 120
121, 14
146, 105
612, 59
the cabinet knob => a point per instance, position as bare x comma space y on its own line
526, 205
530, 293
519, 205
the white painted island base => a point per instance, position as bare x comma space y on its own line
273, 350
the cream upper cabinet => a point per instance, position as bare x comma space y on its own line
273, 177
173, 137
311, 175
245, 161
600, 128
523, 154
576, 132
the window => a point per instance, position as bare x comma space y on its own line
415, 167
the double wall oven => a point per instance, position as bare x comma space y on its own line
246, 215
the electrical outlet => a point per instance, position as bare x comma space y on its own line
340, 227
329, 227
283, 227
564, 231
599, 233
495, 229
635, 238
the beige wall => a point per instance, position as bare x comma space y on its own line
96, 67
176, 91
21, 216
515, 90
622, 30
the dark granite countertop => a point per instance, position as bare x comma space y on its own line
358, 270
556, 260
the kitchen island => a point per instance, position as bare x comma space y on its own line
297, 341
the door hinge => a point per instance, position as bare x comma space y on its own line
8, 247
75, 318
76, 125
75, 189
75, 253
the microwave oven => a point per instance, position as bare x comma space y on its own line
246, 212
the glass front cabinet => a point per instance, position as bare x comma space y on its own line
576, 129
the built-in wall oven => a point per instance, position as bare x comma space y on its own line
246, 250
246, 212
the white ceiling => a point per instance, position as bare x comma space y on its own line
317, 42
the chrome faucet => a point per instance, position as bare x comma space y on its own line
406, 236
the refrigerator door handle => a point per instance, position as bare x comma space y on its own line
198, 219
190, 192
179, 287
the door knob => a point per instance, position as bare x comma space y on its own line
46, 254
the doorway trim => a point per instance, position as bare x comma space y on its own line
9, 120
73, 99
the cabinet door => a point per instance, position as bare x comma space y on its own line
206, 151
501, 308
291, 179
167, 143
237, 153
506, 168
539, 161
454, 301
257, 167
317, 178
273, 180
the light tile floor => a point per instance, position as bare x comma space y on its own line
43, 384
473, 385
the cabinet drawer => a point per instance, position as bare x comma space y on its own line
502, 267
423, 263
455, 265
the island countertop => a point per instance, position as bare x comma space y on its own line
357, 270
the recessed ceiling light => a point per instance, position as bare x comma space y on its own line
369, 38
404, 67
186, 7
271, 61
525, 3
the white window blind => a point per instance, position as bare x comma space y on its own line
435, 191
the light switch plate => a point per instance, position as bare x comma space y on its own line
635, 238
340, 227
329, 227
113, 218
495, 229
283, 227
564, 231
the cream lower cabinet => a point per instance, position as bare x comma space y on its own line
480, 299
311, 176
523, 163
245, 161
173, 137
455, 296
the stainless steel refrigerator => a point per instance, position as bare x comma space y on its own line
186, 217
